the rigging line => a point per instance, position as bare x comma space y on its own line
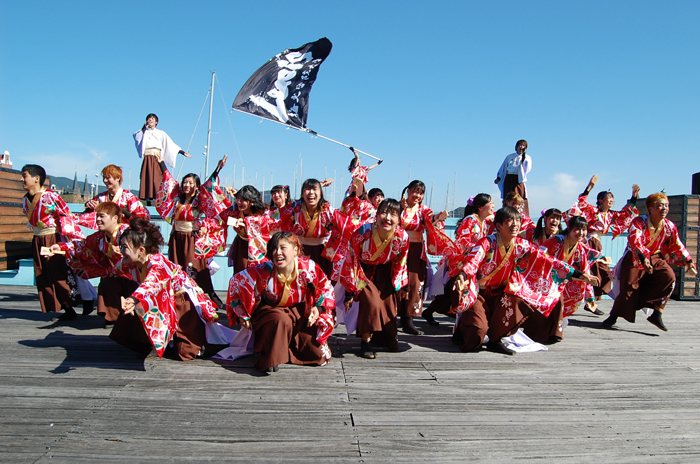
228, 115
193, 132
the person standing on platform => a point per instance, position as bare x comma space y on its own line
512, 174
44, 209
646, 279
149, 143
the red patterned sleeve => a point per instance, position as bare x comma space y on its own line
166, 201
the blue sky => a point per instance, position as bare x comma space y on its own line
436, 89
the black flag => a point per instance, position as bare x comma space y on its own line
279, 90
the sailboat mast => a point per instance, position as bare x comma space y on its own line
211, 106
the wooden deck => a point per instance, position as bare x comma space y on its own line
69, 394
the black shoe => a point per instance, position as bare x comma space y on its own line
655, 319
109, 325
610, 322
595, 311
217, 301
272, 369
428, 316
69, 315
554, 339
88, 307
408, 327
457, 338
366, 350
499, 347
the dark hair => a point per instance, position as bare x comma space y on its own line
505, 213
539, 230
275, 242
576, 222
280, 188
521, 141
197, 182
35, 170
110, 208
374, 192
354, 163
414, 185
142, 233
252, 195
310, 184
481, 199
389, 205
602, 196
154, 117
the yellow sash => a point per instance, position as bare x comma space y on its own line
409, 217
117, 195
111, 244
311, 221
381, 245
287, 283
504, 261
35, 202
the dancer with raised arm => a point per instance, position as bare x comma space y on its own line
602, 220
358, 174
373, 272
197, 232
288, 302
646, 279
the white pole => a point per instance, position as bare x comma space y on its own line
211, 106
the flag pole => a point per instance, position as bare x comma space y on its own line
308, 131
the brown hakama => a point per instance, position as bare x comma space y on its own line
411, 302
442, 304
315, 252
238, 254
549, 329
151, 178
638, 289
188, 340
55, 282
494, 313
181, 251
109, 296
377, 302
512, 184
281, 337
600, 269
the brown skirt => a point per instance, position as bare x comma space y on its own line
109, 296
377, 301
600, 270
55, 281
512, 184
151, 178
494, 313
411, 301
281, 337
315, 253
638, 289
543, 329
188, 340
181, 251
238, 254
442, 304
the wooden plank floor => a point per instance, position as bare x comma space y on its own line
69, 394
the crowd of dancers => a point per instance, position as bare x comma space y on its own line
301, 266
